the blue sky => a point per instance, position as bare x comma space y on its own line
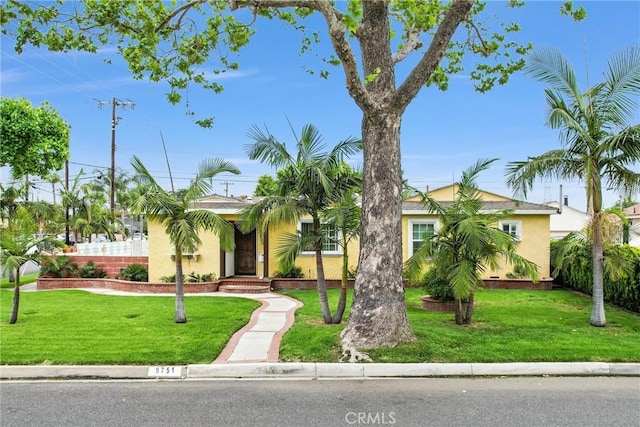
442, 132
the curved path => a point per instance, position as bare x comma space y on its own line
258, 341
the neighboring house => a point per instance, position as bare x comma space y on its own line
255, 254
632, 213
567, 221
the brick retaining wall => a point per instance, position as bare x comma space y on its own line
48, 283
304, 284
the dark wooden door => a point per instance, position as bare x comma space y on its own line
245, 253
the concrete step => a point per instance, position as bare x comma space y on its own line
244, 288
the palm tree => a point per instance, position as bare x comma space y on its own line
466, 243
18, 243
599, 146
345, 215
9, 202
182, 223
307, 184
72, 200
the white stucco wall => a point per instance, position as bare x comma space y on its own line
570, 219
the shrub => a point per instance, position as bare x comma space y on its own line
135, 273
169, 279
198, 278
294, 272
58, 267
578, 274
437, 286
91, 271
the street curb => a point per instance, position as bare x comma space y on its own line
319, 370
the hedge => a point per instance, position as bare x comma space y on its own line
578, 274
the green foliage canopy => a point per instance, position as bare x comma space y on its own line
35, 140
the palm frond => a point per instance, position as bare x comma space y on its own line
290, 245
552, 164
211, 221
310, 145
623, 83
549, 65
267, 149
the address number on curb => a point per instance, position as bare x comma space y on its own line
165, 371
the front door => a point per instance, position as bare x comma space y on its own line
245, 253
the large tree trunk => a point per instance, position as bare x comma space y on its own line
181, 315
16, 299
597, 297
378, 314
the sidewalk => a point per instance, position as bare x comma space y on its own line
253, 352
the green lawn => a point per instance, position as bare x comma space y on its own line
509, 326
77, 327
27, 278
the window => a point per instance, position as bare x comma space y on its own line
513, 228
331, 238
419, 231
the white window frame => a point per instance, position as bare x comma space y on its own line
338, 250
512, 223
411, 223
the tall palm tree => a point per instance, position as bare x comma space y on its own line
180, 222
308, 183
599, 146
466, 243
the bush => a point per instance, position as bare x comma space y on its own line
135, 273
169, 279
578, 274
437, 286
294, 272
198, 278
58, 267
91, 271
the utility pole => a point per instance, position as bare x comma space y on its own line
66, 211
226, 187
115, 102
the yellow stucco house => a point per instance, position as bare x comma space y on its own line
255, 253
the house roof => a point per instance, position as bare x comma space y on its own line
632, 211
224, 204
231, 205
518, 207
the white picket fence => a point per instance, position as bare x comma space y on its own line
125, 248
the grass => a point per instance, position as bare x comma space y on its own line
27, 278
509, 326
77, 327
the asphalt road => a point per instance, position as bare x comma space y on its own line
593, 401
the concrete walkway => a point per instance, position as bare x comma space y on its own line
259, 340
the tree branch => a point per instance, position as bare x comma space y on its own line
413, 43
337, 31
419, 76
180, 10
